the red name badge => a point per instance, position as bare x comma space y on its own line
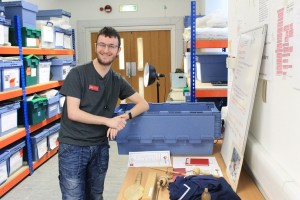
94, 88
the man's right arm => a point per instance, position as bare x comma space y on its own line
76, 114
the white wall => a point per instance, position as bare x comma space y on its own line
161, 13
273, 141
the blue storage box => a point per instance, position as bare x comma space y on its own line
25, 10
181, 128
60, 68
213, 67
3, 167
8, 117
53, 105
10, 74
52, 138
39, 145
15, 159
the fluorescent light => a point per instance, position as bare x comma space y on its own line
128, 8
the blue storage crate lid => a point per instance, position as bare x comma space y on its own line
53, 99
10, 63
58, 29
3, 156
7, 22
53, 128
15, 147
39, 136
46, 14
24, 4
8, 106
61, 61
68, 32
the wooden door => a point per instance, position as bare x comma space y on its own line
156, 50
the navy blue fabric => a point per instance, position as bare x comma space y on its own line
191, 187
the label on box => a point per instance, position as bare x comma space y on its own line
8, 120
3, 172
16, 161
42, 147
11, 78
53, 140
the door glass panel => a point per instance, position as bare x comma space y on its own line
140, 50
141, 86
121, 56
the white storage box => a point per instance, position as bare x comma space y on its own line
178, 80
4, 25
44, 71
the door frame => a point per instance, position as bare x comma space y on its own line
173, 24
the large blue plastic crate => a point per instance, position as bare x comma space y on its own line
15, 156
25, 10
181, 128
8, 117
60, 68
213, 67
39, 145
3, 167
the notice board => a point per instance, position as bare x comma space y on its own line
240, 104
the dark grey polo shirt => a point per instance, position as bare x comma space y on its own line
98, 95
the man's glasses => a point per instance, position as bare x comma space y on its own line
109, 46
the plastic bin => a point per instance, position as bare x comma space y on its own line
37, 108
39, 144
3, 167
52, 138
15, 160
8, 117
30, 37
10, 74
60, 68
31, 64
58, 16
213, 67
181, 128
53, 106
25, 10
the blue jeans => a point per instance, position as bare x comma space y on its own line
82, 171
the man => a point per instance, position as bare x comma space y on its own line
92, 92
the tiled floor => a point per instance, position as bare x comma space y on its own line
43, 183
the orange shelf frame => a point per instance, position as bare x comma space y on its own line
14, 180
211, 44
13, 50
29, 90
211, 93
12, 137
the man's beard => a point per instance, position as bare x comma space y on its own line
108, 63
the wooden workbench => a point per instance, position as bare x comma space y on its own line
247, 190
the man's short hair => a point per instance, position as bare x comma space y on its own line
109, 32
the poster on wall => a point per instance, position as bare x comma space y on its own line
242, 94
